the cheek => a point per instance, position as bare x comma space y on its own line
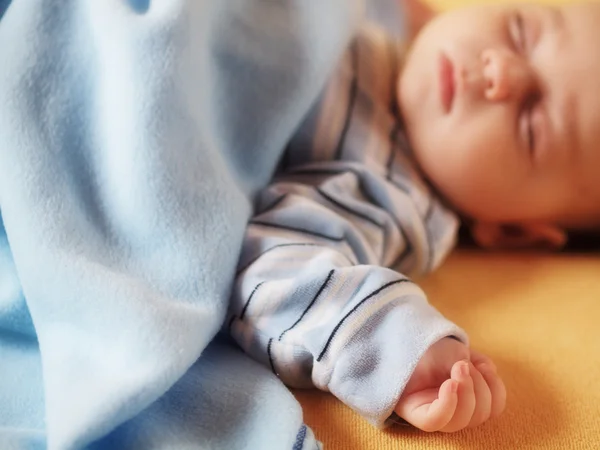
472, 166
455, 167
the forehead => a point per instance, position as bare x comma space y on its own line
485, 15
582, 20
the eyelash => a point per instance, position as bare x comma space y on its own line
531, 140
519, 41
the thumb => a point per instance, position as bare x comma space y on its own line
430, 409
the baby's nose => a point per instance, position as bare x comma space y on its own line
504, 73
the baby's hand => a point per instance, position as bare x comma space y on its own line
452, 388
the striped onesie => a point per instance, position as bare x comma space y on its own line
321, 294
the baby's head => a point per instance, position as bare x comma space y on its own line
502, 108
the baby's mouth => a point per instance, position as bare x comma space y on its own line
447, 82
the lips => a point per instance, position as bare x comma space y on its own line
447, 82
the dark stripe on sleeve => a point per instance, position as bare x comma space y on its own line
250, 299
231, 323
329, 171
429, 236
393, 150
314, 171
271, 356
296, 244
393, 51
317, 295
351, 101
407, 251
272, 206
347, 208
296, 230
353, 310
299, 444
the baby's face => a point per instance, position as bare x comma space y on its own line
502, 107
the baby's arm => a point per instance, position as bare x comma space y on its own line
314, 302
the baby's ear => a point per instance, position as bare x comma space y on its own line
501, 237
418, 13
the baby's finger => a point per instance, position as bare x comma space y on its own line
496, 386
483, 396
466, 398
432, 415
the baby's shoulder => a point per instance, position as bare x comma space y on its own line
356, 114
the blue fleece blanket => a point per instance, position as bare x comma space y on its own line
133, 135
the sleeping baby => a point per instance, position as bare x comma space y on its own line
489, 119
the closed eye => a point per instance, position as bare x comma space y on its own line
528, 129
530, 134
517, 32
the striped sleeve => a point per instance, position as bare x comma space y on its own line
321, 296
313, 299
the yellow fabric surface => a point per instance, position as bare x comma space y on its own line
538, 317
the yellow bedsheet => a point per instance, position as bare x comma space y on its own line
538, 317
